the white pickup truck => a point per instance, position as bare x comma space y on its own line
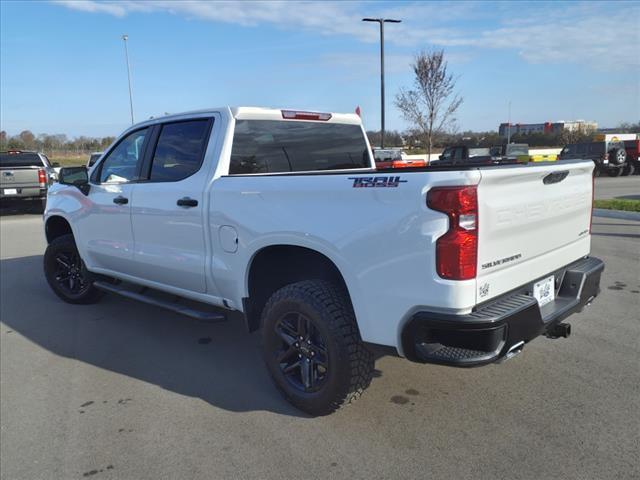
282, 216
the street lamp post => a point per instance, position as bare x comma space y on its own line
381, 21
126, 54
509, 125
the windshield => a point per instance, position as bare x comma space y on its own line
267, 146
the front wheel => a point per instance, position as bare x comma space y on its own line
312, 347
66, 273
614, 172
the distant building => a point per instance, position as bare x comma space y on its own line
546, 127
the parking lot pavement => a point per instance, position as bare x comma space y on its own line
128, 391
619, 187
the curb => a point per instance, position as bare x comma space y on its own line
619, 214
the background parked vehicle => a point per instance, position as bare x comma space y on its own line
395, 158
608, 157
25, 176
632, 147
518, 151
460, 155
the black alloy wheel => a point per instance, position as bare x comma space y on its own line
69, 272
312, 347
303, 357
66, 273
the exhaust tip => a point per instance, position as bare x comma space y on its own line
512, 352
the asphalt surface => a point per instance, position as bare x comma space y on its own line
620, 187
129, 391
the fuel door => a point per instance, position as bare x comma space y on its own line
228, 238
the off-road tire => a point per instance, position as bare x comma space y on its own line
66, 245
350, 364
614, 172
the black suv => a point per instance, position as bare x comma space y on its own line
609, 157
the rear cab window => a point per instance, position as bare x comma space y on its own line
21, 159
275, 146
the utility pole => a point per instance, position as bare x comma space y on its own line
126, 54
509, 125
381, 21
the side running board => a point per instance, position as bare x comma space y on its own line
175, 306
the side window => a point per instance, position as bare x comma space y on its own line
121, 165
446, 154
180, 150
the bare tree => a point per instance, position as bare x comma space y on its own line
431, 106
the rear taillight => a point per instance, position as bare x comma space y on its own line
42, 177
457, 250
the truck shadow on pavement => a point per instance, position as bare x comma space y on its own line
219, 363
8, 209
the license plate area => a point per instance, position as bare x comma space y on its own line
10, 191
544, 291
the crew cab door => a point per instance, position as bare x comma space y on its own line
105, 233
168, 210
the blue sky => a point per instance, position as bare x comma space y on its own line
62, 67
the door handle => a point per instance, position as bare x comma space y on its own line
120, 200
187, 202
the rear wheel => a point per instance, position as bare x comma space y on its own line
66, 273
312, 347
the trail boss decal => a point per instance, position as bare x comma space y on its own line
367, 182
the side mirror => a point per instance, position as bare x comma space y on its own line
55, 164
75, 176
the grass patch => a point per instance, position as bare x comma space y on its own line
70, 160
617, 204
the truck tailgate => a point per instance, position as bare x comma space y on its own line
19, 177
533, 220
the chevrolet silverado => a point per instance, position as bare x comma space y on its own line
282, 216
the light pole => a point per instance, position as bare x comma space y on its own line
509, 125
381, 21
126, 54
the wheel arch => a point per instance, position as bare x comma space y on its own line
274, 266
56, 226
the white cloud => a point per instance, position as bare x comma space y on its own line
94, 7
599, 35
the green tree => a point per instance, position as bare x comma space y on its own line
28, 139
